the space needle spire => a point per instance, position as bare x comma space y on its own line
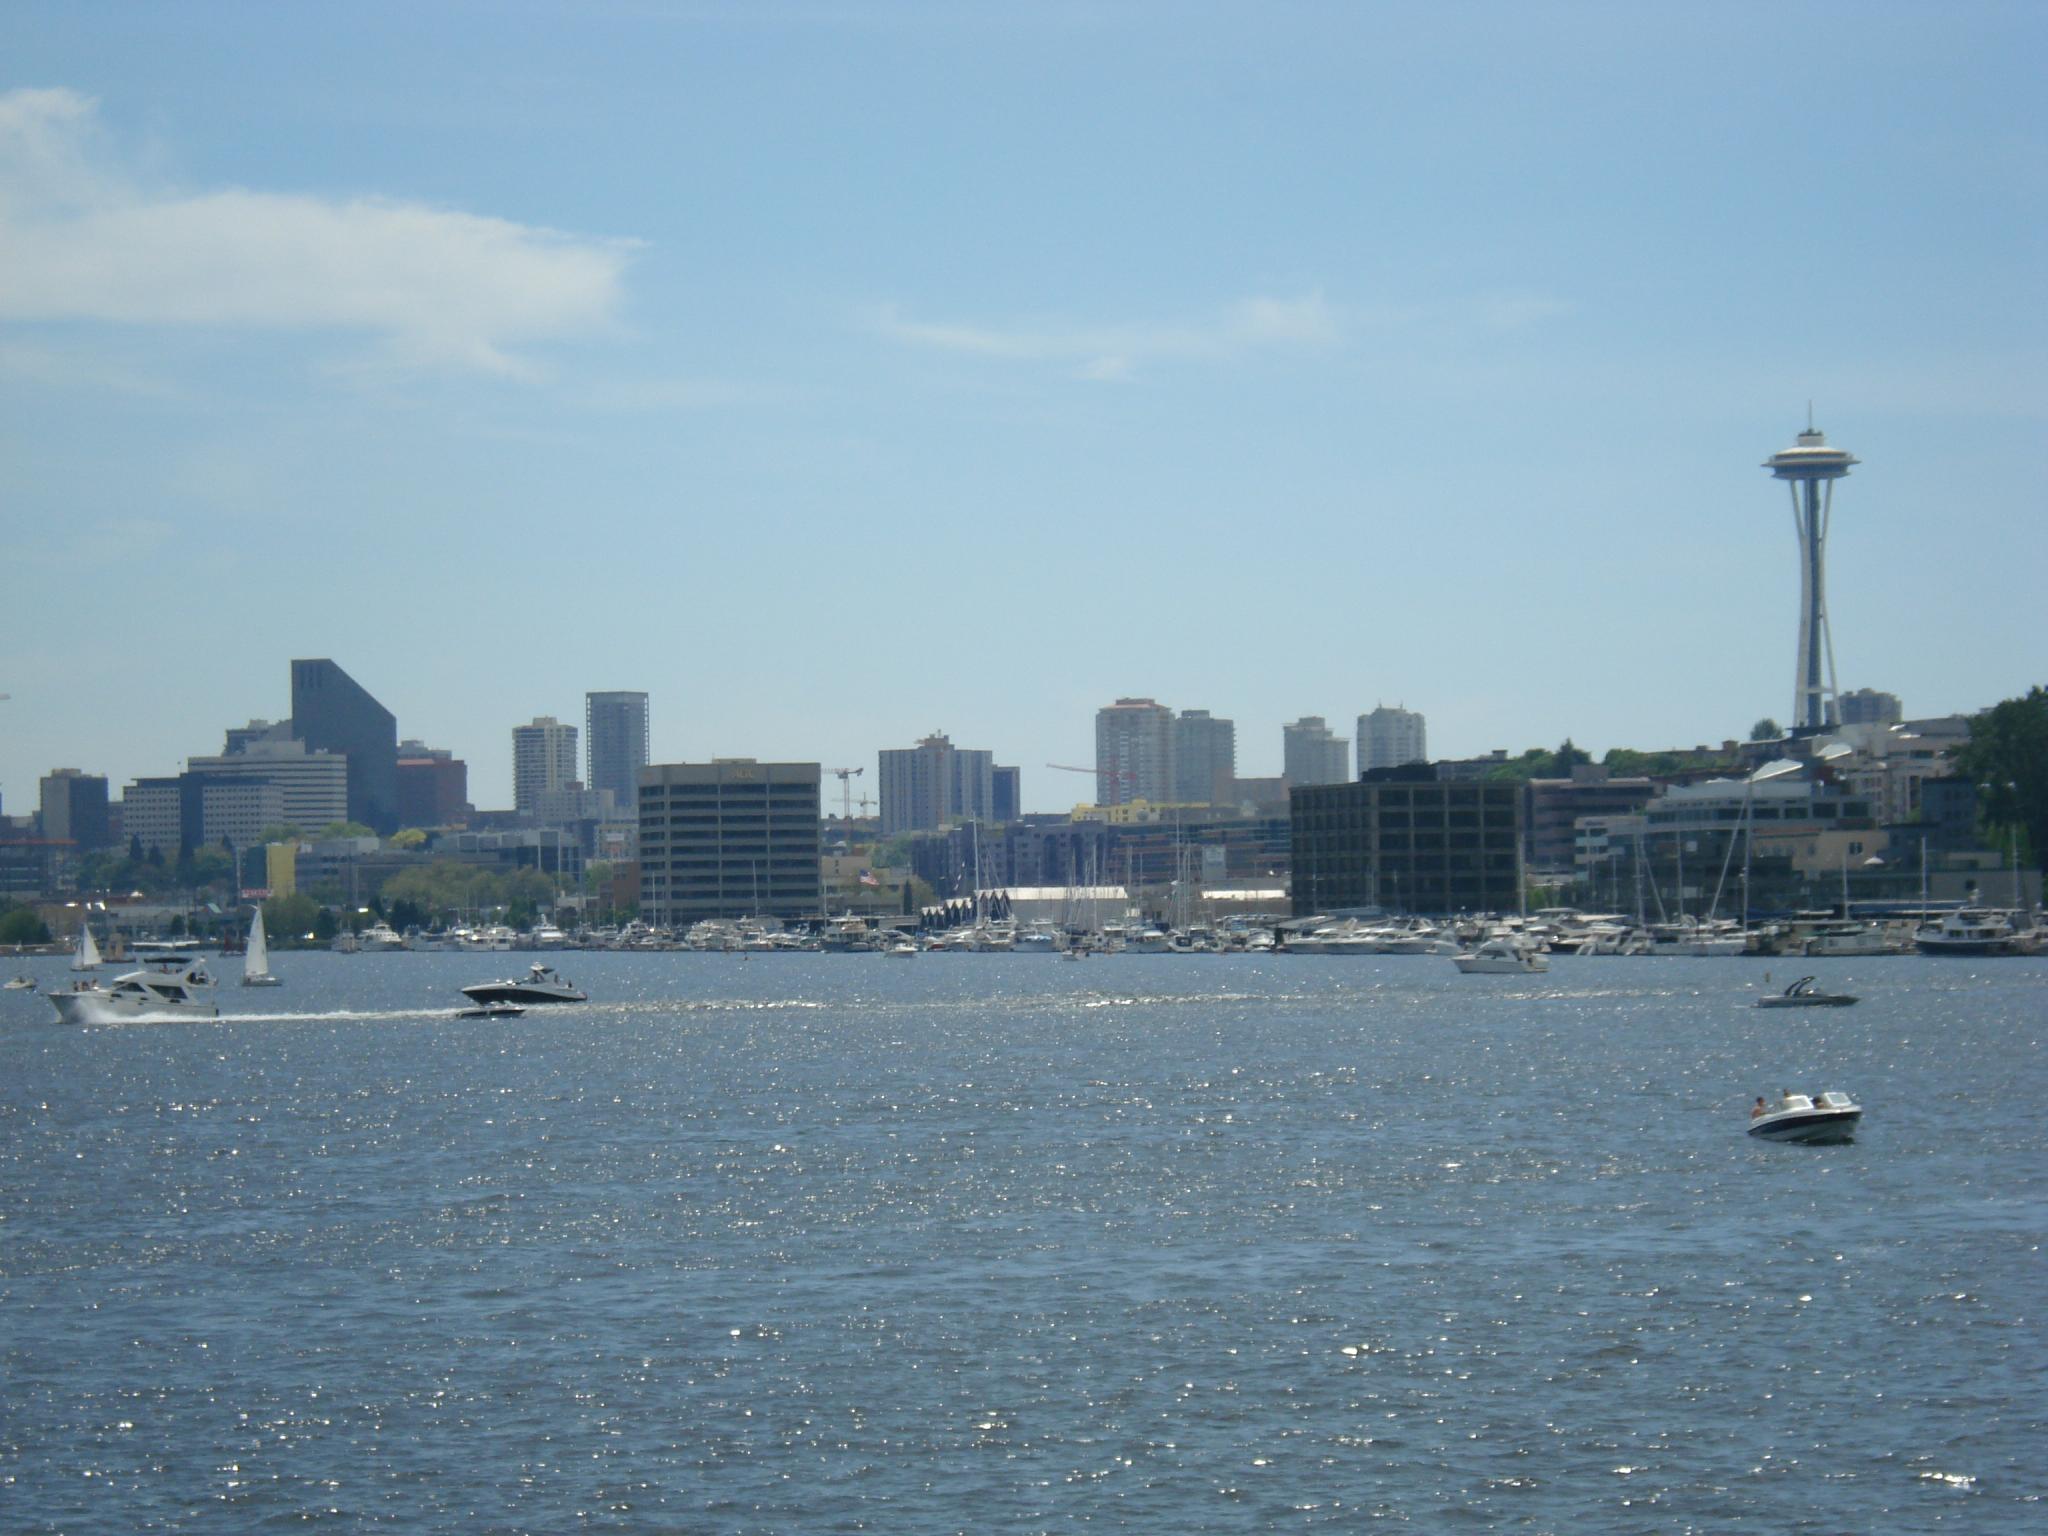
1811, 468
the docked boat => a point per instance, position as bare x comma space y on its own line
491, 1011
1804, 994
1817, 1121
181, 991
256, 958
1968, 931
540, 984
1501, 957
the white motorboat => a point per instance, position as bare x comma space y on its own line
1803, 994
540, 984
256, 958
1817, 1121
1968, 931
182, 991
1501, 957
19, 984
901, 949
380, 938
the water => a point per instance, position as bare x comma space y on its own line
997, 1243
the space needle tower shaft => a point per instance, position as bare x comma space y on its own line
1811, 468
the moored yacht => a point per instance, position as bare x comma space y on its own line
1968, 931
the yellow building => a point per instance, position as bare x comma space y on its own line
281, 868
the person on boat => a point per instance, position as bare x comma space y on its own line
1758, 1108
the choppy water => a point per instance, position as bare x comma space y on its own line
996, 1243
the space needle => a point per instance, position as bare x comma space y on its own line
1811, 468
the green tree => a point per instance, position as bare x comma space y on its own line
340, 829
2006, 757
291, 919
20, 925
410, 837
1765, 729
1567, 757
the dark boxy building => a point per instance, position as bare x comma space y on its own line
74, 807
729, 838
1409, 844
332, 711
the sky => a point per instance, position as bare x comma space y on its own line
839, 373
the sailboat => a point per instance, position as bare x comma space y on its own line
256, 959
88, 956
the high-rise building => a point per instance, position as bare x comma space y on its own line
1008, 784
1867, 706
74, 808
1133, 752
1204, 758
729, 838
1311, 753
1810, 468
153, 816
935, 784
1390, 738
615, 726
332, 712
433, 786
543, 758
312, 786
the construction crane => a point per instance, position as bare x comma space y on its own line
846, 776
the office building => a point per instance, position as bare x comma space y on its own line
1867, 706
1133, 752
1389, 738
433, 786
313, 786
1407, 844
153, 816
1311, 753
74, 809
729, 838
1204, 758
1008, 784
331, 712
935, 784
615, 737
237, 811
543, 759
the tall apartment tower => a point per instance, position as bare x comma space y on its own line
935, 784
1133, 752
543, 759
1204, 758
332, 712
1311, 753
1811, 468
615, 736
1388, 738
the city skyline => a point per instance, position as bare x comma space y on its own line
1313, 358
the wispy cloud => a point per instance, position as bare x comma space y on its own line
82, 239
1111, 352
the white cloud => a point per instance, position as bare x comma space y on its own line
1116, 351
80, 240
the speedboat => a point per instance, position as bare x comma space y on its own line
490, 1011
540, 984
19, 984
1501, 957
1803, 994
1816, 1121
902, 949
177, 991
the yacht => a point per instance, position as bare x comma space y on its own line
540, 984
380, 938
1968, 931
1817, 1121
178, 991
1502, 957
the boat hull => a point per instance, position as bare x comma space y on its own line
1819, 1000
1809, 1127
93, 1006
521, 992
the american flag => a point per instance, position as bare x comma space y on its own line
867, 877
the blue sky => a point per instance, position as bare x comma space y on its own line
841, 372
